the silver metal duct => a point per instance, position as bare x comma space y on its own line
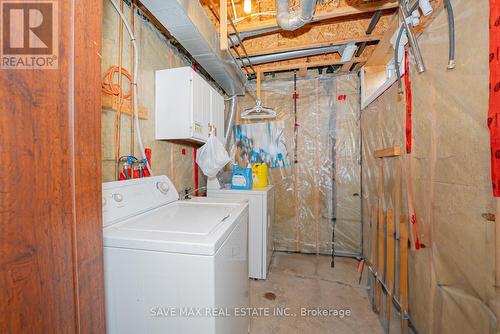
187, 21
233, 104
292, 54
288, 20
348, 52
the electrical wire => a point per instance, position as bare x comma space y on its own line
110, 88
234, 10
451, 21
132, 23
118, 114
134, 85
108, 85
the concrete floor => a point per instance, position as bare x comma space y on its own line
299, 281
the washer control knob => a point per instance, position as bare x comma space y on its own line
118, 197
163, 187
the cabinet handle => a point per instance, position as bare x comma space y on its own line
212, 129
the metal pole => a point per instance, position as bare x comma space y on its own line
373, 23
411, 37
333, 134
295, 125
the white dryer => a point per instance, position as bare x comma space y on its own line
260, 225
173, 266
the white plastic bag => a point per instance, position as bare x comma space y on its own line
212, 157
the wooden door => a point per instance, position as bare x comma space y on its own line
51, 264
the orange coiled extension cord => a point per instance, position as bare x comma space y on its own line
110, 87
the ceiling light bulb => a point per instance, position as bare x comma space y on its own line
247, 6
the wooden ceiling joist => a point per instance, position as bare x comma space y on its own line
223, 25
384, 50
312, 45
322, 60
318, 35
343, 10
307, 62
347, 66
307, 65
335, 23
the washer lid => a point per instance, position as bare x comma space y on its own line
179, 227
179, 219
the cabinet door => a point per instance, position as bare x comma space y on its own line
217, 113
174, 88
201, 108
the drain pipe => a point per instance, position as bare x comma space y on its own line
293, 20
249, 34
233, 104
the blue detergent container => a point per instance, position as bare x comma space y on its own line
241, 178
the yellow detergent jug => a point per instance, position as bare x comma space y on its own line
259, 176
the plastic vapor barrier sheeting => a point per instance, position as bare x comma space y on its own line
451, 279
324, 183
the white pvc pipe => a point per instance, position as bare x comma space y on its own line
134, 84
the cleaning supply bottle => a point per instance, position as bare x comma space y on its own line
259, 175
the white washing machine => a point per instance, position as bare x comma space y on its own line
261, 219
173, 266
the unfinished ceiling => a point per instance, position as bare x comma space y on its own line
335, 22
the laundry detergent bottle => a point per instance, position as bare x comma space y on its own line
259, 175
241, 178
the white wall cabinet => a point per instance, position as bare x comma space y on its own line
186, 106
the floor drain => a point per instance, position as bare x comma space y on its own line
270, 296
